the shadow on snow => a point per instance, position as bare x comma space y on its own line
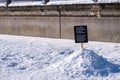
96, 65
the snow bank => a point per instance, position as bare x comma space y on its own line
31, 58
70, 2
26, 3
2, 4
60, 2
81, 2
108, 1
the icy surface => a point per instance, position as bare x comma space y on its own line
31, 58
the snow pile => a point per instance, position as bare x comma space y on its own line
30, 58
81, 65
97, 65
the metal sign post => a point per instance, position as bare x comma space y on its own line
81, 35
82, 45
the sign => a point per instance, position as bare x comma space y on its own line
46, 1
81, 35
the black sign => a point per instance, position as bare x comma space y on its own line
81, 35
46, 1
8, 2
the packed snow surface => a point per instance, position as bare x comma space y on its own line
60, 2
31, 58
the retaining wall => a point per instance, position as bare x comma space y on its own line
99, 29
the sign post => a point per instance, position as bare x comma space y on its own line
81, 35
82, 45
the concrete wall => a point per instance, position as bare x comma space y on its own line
99, 29
30, 26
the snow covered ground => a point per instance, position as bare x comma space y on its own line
31, 58
2, 4
26, 3
58, 2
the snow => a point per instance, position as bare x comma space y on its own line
59, 2
2, 4
34, 58
26, 3
81, 2
70, 2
